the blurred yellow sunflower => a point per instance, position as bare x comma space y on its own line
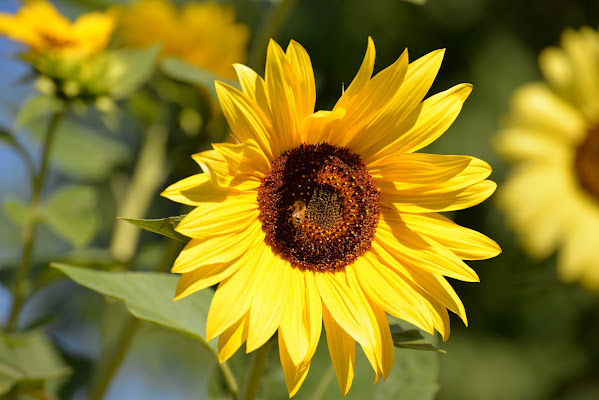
551, 197
330, 215
202, 34
40, 26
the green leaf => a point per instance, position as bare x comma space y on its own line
414, 376
149, 296
71, 212
417, 2
184, 72
28, 357
411, 339
81, 151
36, 108
129, 69
16, 210
162, 226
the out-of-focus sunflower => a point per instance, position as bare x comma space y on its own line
202, 34
40, 26
551, 197
330, 215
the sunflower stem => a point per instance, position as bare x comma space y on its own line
109, 368
229, 379
256, 371
30, 229
149, 171
269, 30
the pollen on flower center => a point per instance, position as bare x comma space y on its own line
319, 207
586, 162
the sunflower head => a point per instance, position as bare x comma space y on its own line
46, 32
203, 34
331, 215
552, 134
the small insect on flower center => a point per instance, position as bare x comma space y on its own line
586, 162
319, 207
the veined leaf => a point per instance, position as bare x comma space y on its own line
162, 226
130, 69
149, 296
38, 107
28, 357
184, 72
71, 212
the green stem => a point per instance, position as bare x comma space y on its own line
324, 383
29, 230
149, 172
229, 379
269, 30
114, 361
256, 371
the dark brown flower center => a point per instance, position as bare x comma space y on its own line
319, 207
586, 162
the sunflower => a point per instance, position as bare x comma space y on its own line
330, 215
39, 25
202, 34
552, 134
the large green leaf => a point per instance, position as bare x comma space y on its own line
36, 108
81, 151
184, 72
162, 226
130, 69
28, 357
414, 376
149, 296
71, 212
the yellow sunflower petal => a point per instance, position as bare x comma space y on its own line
344, 305
233, 296
441, 199
413, 170
535, 105
246, 119
380, 352
361, 78
365, 108
466, 243
232, 338
220, 248
390, 292
213, 218
194, 190
254, 87
342, 348
316, 127
93, 30
269, 300
418, 80
521, 144
281, 96
303, 86
423, 126
432, 284
294, 374
313, 312
293, 328
408, 247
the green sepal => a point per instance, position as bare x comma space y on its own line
411, 339
162, 226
